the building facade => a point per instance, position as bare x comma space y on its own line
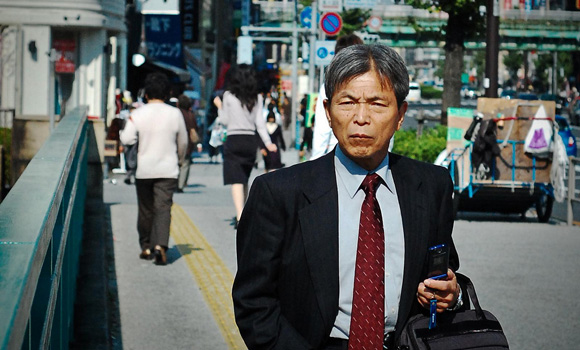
56, 55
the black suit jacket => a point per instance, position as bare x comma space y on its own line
287, 285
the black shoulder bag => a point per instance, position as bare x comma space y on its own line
466, 329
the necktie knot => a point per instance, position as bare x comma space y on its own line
371, 183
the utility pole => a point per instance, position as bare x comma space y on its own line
295, 98
555, 73
312, 55
492, 49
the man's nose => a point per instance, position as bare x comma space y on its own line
361, 113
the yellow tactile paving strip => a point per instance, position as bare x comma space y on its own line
210, 272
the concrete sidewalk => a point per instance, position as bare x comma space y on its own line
186, 304
521, 269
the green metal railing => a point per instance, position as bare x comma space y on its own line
41, 229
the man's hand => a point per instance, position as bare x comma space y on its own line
445, 290
264, 152
272, 147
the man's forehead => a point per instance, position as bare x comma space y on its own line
382, 79
345, 89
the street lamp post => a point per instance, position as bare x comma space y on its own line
492, 49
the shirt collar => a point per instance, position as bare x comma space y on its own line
352, 174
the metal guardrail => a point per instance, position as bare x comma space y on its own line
572, 193
41, 227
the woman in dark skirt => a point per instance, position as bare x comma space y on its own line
272, 160
241, 112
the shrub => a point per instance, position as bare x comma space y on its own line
425, 148
428, 92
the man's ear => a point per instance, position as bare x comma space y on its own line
326, 105
402, 111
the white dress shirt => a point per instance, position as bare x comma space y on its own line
349, 177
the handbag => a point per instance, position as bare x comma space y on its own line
467, 329
193, 136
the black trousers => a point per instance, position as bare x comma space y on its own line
155, 198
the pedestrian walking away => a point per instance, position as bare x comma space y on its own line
241, 113
160, 130
273, 160
184, 104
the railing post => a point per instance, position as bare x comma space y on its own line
571, 189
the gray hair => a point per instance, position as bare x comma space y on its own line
356, 60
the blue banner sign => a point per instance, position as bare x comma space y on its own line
163, 38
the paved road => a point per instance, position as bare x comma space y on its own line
525, 272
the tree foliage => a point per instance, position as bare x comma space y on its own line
544, 63
513, 61
464, 22
353, 20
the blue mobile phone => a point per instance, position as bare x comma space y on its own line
438, 261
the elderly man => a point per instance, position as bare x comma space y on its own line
332, 253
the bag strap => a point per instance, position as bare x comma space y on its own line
472, 294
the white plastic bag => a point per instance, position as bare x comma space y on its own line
539, 139
558, 170
218, 135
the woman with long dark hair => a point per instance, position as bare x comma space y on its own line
241, 112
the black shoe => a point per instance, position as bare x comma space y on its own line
128, 181
160, 256
179, 190
146, 255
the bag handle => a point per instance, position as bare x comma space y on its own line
472, 294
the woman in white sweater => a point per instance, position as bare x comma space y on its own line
241, 112
160, 130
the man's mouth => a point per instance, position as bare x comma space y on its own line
360, 136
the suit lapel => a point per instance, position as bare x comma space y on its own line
319, 227
415, 227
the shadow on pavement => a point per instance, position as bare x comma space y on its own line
178, 250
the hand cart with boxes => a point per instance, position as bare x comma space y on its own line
490, 161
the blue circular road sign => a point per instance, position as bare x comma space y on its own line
331, 23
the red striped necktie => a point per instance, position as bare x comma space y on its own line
368, 317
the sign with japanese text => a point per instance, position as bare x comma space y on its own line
286, 84
189, 10
65, 55
361, 4
163, 38
330, 5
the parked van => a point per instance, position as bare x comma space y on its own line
414, 92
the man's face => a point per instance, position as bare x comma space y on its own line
364, 117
